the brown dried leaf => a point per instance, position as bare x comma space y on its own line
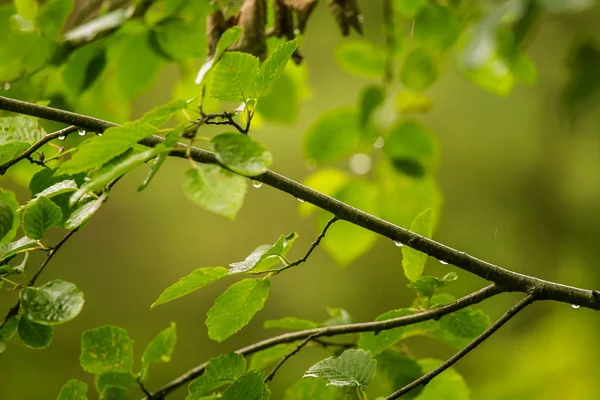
347, 15
303, 8
253, 19
284, 20
215, 26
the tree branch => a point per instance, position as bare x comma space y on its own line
425, 379
509, 280
15, 309
377, 326
269, 377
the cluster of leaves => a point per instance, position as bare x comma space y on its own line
94, 68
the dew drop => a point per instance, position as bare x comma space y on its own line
256, 184
62, 137
98, 134
296, 31
82, 132
443, 262
399, 244
574, 306
6, 86
300, 200
379, 142
360, 18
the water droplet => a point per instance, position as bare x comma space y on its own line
99, 134
296, 31
256, 184
62, 137
360, 18
82, 132
300, 200
379, 142
6, 86
575, 306
443, 262
399, 244
360, 163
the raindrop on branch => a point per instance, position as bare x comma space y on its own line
399, 244
300, 200
62, 137
6, 86
379, 142
82, 132
256, 184
99, 134
575, 306
443, 262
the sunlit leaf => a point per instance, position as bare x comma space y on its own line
52, 17
73, 390
106, 349
264, 256
229, 37
12, 248
235, 307
274, 65
159, 350
215, 189
234, 77
194, 281
20, 129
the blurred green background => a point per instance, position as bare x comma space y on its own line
520, 188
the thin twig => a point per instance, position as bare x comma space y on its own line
312, 246
50, 255
377, 326
390, 40
425, 379
269, 377
509, 280
27, 153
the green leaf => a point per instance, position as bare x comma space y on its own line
219, 371
73, 390
428, 285
449, 385
437, 28
84, 213
328, 181
229, 37
333, 136
378, 343
40, 216
309, 389
413, 261
114, 171
10, 328
337, 316
58, 188
354, 368
249, 386
582, 90
27, 8
179, 39
465, 323
264, 358
291, 323
114, 379
186, 285
409, 8
264, 256
361, 58
412, 149
234, 77
9, 219
106, 349
419, 70
114, 393
241, 154
370, 98
54, 303
34, 335
20, 129
235, 307
395, 370
273, 66
413, 103
163, 153
215, 189
160, 115
11, 150
52, 17
98, 150
344, 241
159, 350
10, 249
